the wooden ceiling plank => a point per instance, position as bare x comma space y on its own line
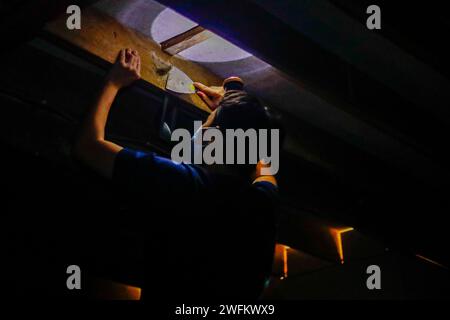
185, 40
103, 37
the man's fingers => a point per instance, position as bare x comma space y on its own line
129, 55
122, 57
133, 62
207, 100
138, 66
207, 90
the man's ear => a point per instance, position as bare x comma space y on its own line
270, 179
259, 177
259, 166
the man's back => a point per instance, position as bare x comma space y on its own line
209, 235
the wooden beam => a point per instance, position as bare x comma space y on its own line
102, 36
185, 40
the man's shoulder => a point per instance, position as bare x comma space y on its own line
145, 167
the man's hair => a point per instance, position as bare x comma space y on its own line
240, 110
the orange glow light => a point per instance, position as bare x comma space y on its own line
111, 290
134, 293
336, 233
285, 261
431, 261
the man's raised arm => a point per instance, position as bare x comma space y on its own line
91, 146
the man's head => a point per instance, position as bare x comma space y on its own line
240, 110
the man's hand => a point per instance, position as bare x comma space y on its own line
210, 95
126, 70
210, 120
213, 95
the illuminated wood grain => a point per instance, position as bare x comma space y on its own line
103, 37
185, 40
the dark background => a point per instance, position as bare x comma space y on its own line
45, 87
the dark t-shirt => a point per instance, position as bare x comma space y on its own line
208, 235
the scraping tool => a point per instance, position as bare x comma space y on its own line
179, 82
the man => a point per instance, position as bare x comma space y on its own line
210, 229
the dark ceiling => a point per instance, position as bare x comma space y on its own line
367, 106
338, 79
